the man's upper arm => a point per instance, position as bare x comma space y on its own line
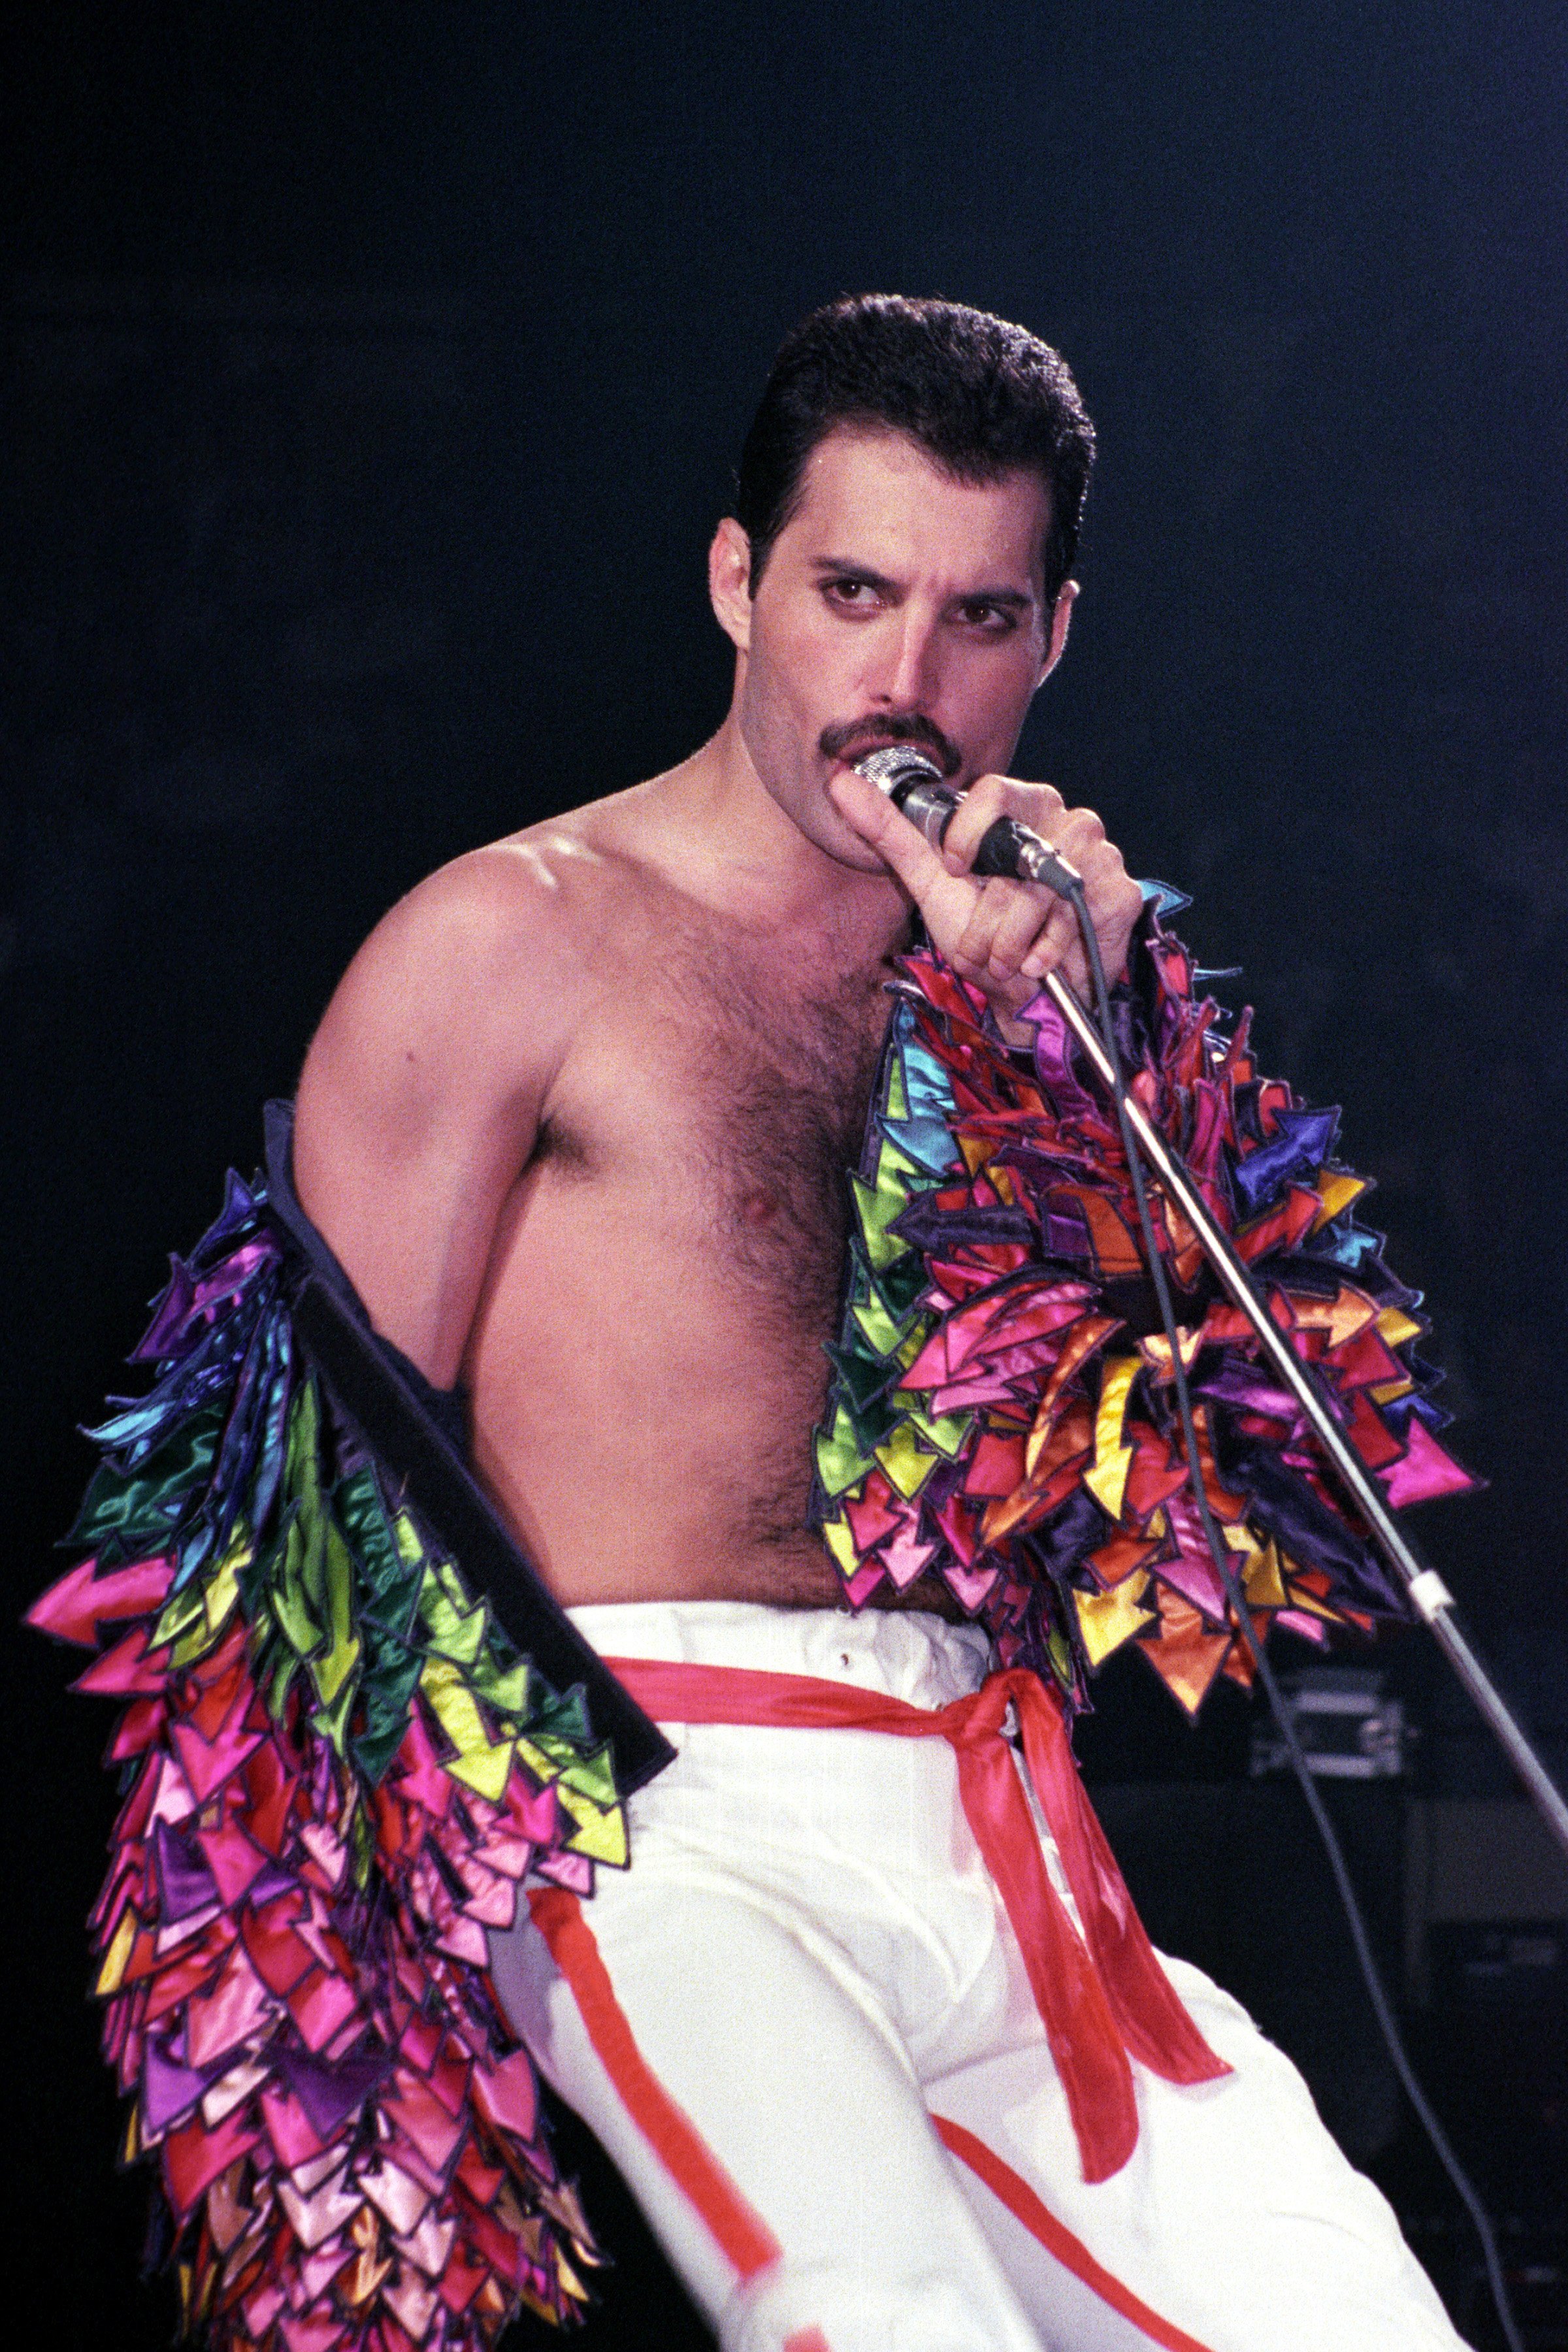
421, 1095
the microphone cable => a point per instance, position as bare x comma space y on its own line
1382, 2007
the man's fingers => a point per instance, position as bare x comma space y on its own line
1003, 934
1008, 920
919, 866
1040, 806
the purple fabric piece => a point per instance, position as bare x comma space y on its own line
1054, 1061
939, 1231
162, 1336
1300, 1149
1237, 1383
184, 1881
1066, 1235
330, 2093
272, 1880
1077, 1527
1285, 1508
169, 2090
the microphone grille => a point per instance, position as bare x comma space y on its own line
896, 764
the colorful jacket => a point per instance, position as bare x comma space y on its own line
353, 1720
1002, 1412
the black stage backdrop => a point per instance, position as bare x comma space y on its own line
374, 374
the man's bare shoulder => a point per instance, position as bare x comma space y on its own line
493, 959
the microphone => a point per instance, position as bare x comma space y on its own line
915, 783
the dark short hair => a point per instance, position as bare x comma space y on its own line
984, 398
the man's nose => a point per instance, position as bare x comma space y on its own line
908, 679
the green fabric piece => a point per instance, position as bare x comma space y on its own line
121, 1517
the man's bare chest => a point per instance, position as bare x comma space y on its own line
724, 1108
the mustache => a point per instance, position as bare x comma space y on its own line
861, 735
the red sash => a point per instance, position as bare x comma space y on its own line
1103, 2000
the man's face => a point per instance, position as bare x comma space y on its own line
897, 605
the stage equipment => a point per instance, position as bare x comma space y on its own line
1348, 1728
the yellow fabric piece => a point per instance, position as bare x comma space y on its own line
299, 1628
1261, 1579
222, 1591
1338, 1192
879, 1204
947, 1431
836, 1535
907, 1467
331, 1721
480, 1763
601, 1831
455, 1623
332, 1670
1395, 1327
112, 1975
544, 1767
882, 1332
839, 1460
505, 1691
1106, 1619
205, 1609
186, 1609
1106, 1480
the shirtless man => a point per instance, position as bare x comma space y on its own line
576, 1124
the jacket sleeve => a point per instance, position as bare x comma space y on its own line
1002, 1409
340, 1763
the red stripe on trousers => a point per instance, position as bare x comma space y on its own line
744, 2235
1013, 2192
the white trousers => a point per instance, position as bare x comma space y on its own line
800, 2027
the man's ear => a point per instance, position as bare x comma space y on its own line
729, 581
1061, 615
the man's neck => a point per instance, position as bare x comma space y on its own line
752, 861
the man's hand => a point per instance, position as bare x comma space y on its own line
1002, 935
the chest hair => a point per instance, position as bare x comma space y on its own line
786, 1077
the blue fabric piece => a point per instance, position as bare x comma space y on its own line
1300, 1149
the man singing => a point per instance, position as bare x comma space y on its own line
868, 2024
658, 1018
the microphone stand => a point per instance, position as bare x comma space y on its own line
1427, 1593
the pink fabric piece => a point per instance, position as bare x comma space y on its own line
73, 1610
1424, 1470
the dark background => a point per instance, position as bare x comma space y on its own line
373, 378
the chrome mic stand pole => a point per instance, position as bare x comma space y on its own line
1428, 1595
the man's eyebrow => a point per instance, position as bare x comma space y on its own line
846, 563
1015, 600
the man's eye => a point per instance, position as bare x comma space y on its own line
857, 594
994, 619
